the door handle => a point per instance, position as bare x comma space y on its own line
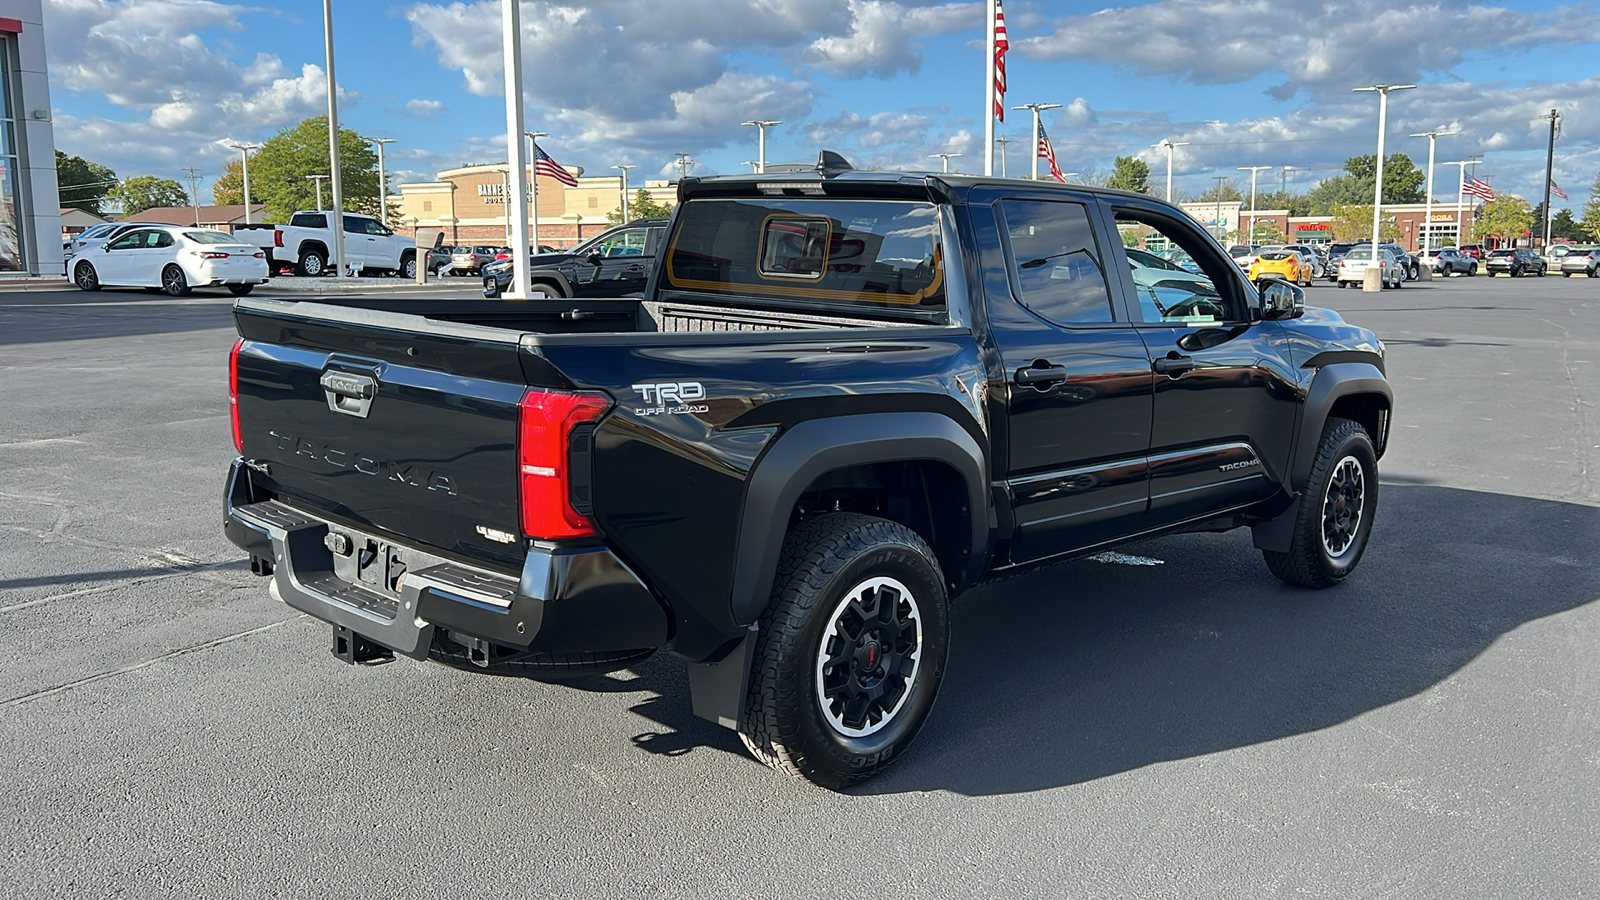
1041, 376
1174, 364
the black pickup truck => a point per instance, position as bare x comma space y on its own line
842, 399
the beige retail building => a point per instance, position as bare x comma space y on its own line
469, 205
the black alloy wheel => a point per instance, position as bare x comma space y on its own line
1333, 522
173, 282
86, 277
850, 653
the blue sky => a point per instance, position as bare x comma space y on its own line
149, 86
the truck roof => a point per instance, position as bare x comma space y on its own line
860, 183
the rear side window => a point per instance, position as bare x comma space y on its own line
1055, 262
828, 253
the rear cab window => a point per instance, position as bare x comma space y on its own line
831, 255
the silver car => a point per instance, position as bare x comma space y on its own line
1353, 267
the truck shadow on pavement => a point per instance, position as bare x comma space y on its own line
1079, 671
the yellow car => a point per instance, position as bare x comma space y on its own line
1281, 264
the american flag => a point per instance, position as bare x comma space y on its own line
544, 165
1556, 189
1048, 152
1001, 45
1479, 188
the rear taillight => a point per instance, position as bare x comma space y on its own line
277, 237
213, 255
260, 256
549, 436
233, 395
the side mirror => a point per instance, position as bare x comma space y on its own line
106, 246
594, 259
1280, 300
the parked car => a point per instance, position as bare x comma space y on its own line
1282, 264
1408, 261
1336, 252
173, 258
1515, 262
1312, 255
614, 263
471, 260
1581, 261
788, 456
99, 234
1447, 261
1243, 254
1473, 250
505, 252
307, 243
1354, 264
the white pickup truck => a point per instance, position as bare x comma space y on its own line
307, 243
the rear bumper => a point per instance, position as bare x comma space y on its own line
565, 600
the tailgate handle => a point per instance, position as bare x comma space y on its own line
349, 393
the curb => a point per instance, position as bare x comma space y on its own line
35, 284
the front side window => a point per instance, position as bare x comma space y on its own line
629, 242
1055, 262
130, 241
1205, 290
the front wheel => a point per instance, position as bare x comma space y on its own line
173, 282
850, 652
1334, 521
1472, 270
86, 277
408, 268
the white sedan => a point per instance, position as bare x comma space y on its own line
173, 258
1353, 267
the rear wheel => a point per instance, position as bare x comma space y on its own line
86, 277
239, 290
850, 652
311, 264
1334, 521
174, 282
1472, 270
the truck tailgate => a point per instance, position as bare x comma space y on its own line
410, 433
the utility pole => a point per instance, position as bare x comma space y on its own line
194, 192
625, 169
319, 179
333, 143
1036, 108
1170, 146
1427, 215
761, 126
1250, 236
1549, 171
946, 157
685, 163
1005, 145
383, 180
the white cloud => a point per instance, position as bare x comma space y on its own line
424, 109
883, 35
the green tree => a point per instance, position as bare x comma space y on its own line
1129, 173
1402, 183
278, 170
1562, 225
1591, 212
142, 192
1354, 223
1225, 190
1504, 216
640, 207
83, 184
228, 189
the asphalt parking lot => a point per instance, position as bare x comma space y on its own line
1191, 728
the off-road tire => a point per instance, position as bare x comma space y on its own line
826, 560
1308, 562
539, 666
173, 281
84, 275
306, 269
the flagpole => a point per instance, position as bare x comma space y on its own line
989, 98
516, 162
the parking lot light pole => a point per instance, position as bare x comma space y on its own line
319, 179
1170, 145
1375, 283
761, 125
383, 180
946, 157
1427, 215
1250, 236
1036, 108
333, 143
244, 164
625, 167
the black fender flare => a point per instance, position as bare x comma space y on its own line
554, 276
810, 450
1331, 383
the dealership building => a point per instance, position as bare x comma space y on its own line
30, 210
1230, 219
469, 205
